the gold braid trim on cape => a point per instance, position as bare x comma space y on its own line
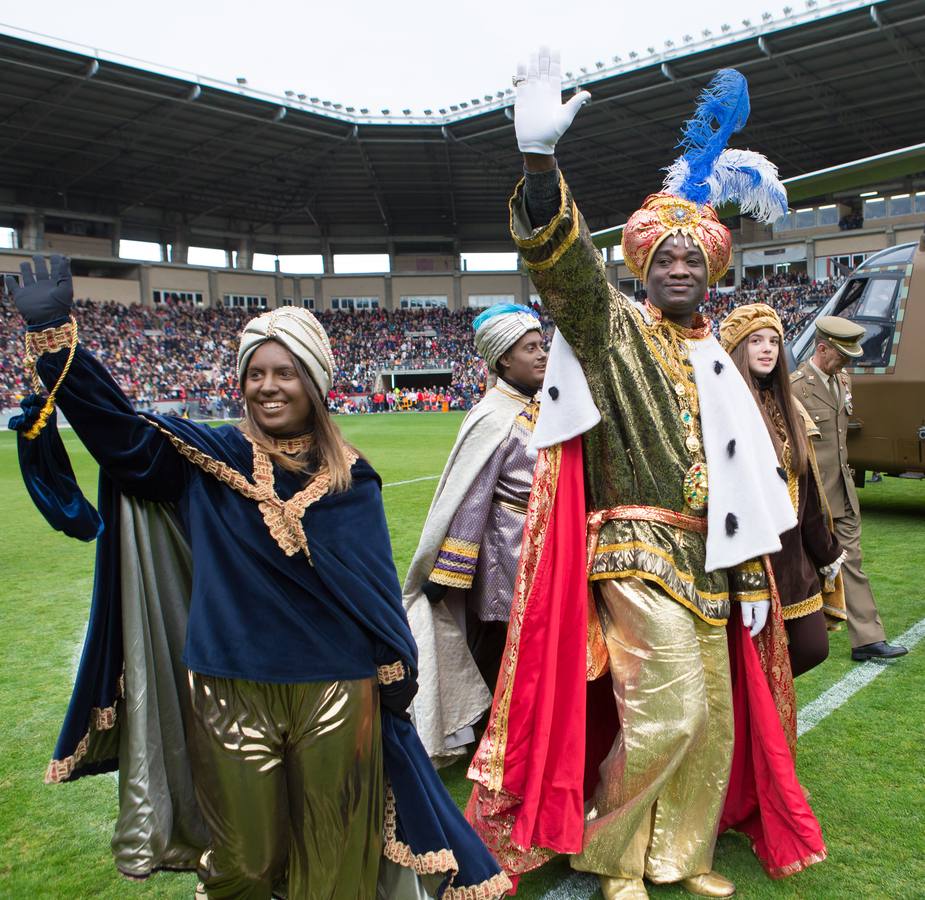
101, 719
435, 862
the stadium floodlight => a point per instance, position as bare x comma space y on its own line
788, 10
338, 106
617, 59
407, 112
364, 111
325, 102
428, 112
290, 93
463, 104
707, 33
474, 101
509, 91
747, 23
599, 65
651, 50
301, 97
583, 70
724, 28
569, 75
241, 80
488, 98
687, 39
669, 44
869, 193
442, 112
314, 99
810, 4
766, 17
350, 109
500, 95
454, 107
634, 54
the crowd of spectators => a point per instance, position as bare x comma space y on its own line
187, 354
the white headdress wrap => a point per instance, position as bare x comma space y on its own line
500, 327
300, 333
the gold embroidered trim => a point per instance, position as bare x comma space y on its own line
294, 444
451, 579
439, 862
519, 508
751, 596
49, 340
561, 250
643, 514
389, 674
283, 519
548, 231
803, 608
460, 547
798, 866
675, 595
101, 719
750, 567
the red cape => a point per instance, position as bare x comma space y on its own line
538, 759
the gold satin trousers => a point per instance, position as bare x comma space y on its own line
289, 780
656, 809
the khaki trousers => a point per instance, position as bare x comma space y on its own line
864, 623
656, 809
289, 779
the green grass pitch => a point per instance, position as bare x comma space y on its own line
863, 764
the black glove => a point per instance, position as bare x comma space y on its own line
397, 696
42, 298
433, 591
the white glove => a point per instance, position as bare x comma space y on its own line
755, 614
830, 572
540, 116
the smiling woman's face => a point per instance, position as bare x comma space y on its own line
275, 395
763, 349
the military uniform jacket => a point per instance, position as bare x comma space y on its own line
831, 418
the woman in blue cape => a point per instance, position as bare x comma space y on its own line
248, 665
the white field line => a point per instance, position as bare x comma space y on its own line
582, 885
410, 480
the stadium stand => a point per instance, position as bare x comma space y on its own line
150, 350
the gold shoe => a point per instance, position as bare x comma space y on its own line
711, 884
623, 888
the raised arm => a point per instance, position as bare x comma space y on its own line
126, 446
552, 237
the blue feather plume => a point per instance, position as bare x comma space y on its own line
724, 102
499, 309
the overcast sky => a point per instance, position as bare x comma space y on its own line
403, 53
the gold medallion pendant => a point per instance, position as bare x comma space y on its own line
695, 487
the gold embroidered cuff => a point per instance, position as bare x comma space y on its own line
542, 248
391, 673
51, 340
804, 608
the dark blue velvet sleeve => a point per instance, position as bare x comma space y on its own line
128, 447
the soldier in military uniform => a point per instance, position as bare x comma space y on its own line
822, 386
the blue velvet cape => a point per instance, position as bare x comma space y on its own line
358, 576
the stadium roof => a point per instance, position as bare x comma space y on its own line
156, 151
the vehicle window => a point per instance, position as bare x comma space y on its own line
868, 298
894, 256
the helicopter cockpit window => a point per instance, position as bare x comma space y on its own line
869, 301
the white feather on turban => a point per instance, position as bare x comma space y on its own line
500, 327
300, 333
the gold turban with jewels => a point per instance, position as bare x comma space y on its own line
746, 320
665, 214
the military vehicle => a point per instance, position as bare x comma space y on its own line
885, 294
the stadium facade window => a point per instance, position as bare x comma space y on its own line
207, 256
488, 262
361, 263
359, 304
483, 301
146, 250
308, 303
245, 301
805, 218
167, 296
901, 205
828, 215
301, 263
423, 301
286, 301
261, 262
920, 202
8, 238
875, 208
784, 223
